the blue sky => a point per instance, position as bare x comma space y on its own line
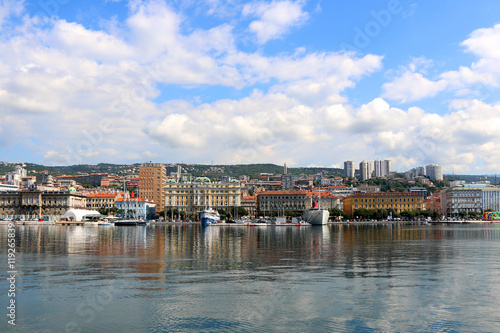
302, 82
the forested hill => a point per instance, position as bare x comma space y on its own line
215, 171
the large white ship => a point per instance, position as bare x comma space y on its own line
316, 216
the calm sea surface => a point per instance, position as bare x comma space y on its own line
372, 278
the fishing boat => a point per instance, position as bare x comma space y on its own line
209, 216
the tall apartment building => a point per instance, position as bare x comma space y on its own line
152, 179
365, 170
349, 169
434, 171
382, 167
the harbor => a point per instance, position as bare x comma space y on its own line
178, 277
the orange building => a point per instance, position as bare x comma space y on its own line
152, 179
397, 201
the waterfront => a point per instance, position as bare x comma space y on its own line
183, 278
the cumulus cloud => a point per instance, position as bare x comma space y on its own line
275, 18
109, 95
477, 80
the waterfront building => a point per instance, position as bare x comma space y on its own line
470, 198
349, 169
278, 201
250, 204
36, 204
202, 193
397, 201
152, 179
433, 204
100, 200
296, 201
382, 167
137, 208
461, 199
365, 170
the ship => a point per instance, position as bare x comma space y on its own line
315, 215
209, 216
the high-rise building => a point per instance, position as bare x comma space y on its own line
365, 170
382, 167
152, 178
349, 169
434, 171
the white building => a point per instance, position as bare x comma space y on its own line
434, 171
365, 169
382, 167
16, 177
349, 169
467, 198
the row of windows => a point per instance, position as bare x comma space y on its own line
388, 200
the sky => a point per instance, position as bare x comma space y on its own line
301, 82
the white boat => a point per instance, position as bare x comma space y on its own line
315, 215
209, 216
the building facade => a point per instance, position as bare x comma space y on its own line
202, 193
397, 201
137, 208
434, 171
37, 204
382, 167
349, 169
152, 179
470, 198
365, 170
250, 204
277, 201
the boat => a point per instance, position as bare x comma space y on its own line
131, 222
209, 216
315, 215
104, 222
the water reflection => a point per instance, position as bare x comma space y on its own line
185, 278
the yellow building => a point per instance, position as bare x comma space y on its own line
397, 201
192, 197
152, 178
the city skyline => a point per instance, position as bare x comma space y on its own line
306, 83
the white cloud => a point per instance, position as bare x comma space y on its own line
410, 87
10, 8
477, 80
275, 18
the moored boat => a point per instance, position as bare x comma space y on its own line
209, 216
316, 216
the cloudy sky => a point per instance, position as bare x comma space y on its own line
306, 82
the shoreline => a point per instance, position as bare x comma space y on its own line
384, 222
